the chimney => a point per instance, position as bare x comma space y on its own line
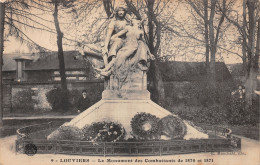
20, 66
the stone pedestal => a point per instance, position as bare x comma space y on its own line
122, 111
126, 95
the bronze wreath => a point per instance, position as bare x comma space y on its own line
173, 127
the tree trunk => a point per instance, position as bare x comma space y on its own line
244, 43
212, 45
256, 60
257, 69
2, 16
154, 69
256, 64
64, 93
107, 4
60, 48
206, 34
150, 25
250, 84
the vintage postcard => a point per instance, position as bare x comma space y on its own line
129, 82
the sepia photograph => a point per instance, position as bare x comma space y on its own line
129, 82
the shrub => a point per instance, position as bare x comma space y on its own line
61, 100
23, 101
146, 126
74, 96
94, 93
214, 114
232, 112
104, 132
197, 93
238, 114
58, 99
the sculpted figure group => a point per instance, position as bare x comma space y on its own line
124, 36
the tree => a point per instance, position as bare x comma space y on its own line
2, 16
248, 28
36, 22
208, 16
60, 47
153, 41
56, 4
4, 6
252, 51
19, 18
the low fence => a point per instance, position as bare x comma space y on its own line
126, 148
168, 147
216, 130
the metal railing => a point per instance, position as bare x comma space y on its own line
160, 147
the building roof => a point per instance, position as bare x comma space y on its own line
9, 62
50, 61
43, 61
191, 71
236, 69
24, 58
170, 70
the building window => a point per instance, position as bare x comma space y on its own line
69, 72
70, 75
71, 78
57, 78
82, 78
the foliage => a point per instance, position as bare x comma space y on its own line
104, 132
173, 127
238, 114
211, 115
201, 103
146, 126
74, 97
197, 93
94, 93
68, 133
231, 112
58, 99
23, 101
54, 97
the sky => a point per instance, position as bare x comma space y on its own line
48, 40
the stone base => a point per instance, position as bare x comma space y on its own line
122, 111
126, 95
